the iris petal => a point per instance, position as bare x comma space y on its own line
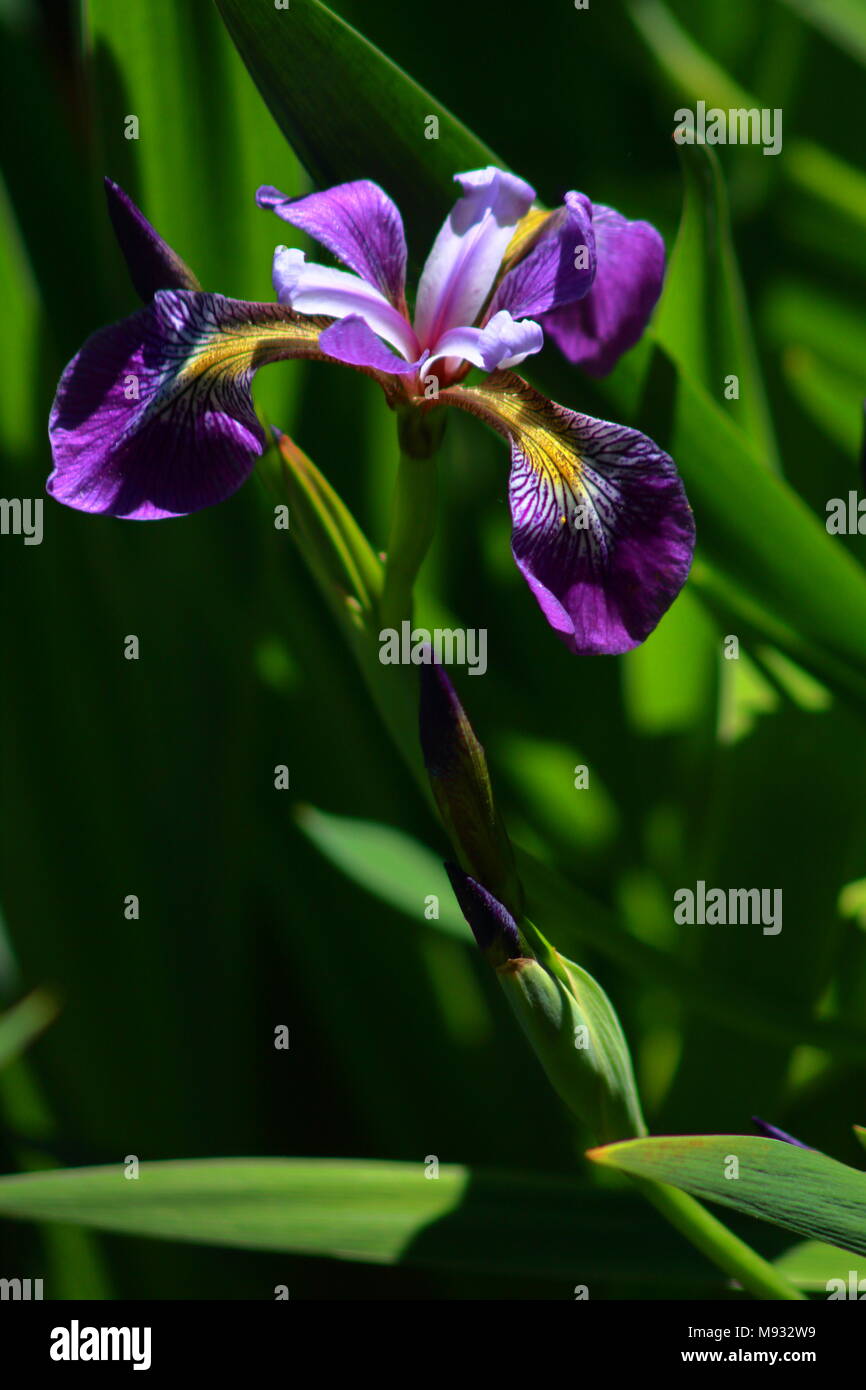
153, 417
602, 530
358, 223
467, 253
318, 289
352, 341
492, 924
559, 268
502, 343
598, 329
151, 262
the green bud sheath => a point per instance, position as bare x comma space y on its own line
578, 1040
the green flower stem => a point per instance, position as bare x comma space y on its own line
413, 523
719, 1244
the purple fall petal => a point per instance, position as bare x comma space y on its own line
501, 343
153, 417
595, 331
358, 224
553, 273
771, 1132
467, 253
602, 530
603, 576
492, 924
318, 289
351, 340
151, 262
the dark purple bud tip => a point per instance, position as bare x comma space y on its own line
492, 925
442, 722
151, 263
771, 1132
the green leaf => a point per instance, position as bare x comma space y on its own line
703, 320
697, 77
811, 1265
691, 71
350, 577
22, 312
349, 112
761, 551
814, 170
204, 145
384, 1213
35, 125
543, 772
334, 547
388, 863
797, 313
356, 1211
842, 21
799, 1189
832, 399
686, 640
822, 342
22, 1024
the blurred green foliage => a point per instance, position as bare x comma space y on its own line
155, 777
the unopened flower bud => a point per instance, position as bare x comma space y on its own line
492, 925
458, 774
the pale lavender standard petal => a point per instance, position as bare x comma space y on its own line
151, 262
318, 289
501, 343
559, 269
352, 341
358, 223
595, 332
462, 266
153, 418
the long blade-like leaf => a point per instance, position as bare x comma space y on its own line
349, 112
703, 320
800, 1189
761, 548
384, 1213
22, 1024
389, 864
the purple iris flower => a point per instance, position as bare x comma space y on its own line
154, 418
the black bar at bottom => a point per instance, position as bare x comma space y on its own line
158, 1339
